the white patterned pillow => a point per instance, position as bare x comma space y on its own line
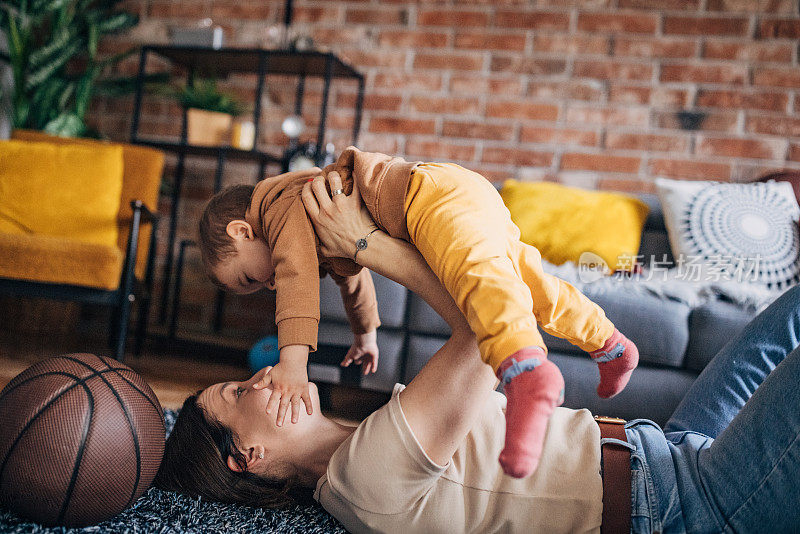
748, 232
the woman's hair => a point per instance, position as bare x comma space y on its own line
228, 205
196, 463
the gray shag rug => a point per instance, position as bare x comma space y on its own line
167, 512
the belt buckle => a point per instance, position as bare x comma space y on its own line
610, 420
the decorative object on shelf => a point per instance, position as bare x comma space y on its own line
293, 126
209, 113
301, 43
329, 156
45, 38
243, 135
300, 157
264, 353
303, 156
204, 34
297, 156
208, 128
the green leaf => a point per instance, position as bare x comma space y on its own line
44, 54
14, 38
83, 92
66, 125
44, 102
10, 9
93, 37
66, 94
117, 22
204, 95
40, 75
47, 6
44, 36
21, 109
84, 5
17, 53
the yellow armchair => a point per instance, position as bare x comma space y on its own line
109, 273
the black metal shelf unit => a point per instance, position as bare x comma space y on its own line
218, 63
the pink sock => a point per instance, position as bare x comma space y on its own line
533, 387
616, 361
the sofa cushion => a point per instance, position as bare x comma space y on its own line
420, 350
141, 180
565, 222
655, 242
712, 325
65, 190
324, 365
660, 328
391, 301
741, 232
666, 386
422, 319
652, 393
56, 260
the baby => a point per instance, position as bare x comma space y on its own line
458, 222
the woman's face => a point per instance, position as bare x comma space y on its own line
242, 409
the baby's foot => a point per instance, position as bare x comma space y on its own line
616, 361
533, 387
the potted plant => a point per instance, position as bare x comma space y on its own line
52, 50
209, 113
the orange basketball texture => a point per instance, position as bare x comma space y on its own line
81, 438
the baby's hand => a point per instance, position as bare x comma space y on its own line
289, 385
364, 352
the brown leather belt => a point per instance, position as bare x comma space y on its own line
616, 477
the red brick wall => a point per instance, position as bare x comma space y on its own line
585, 92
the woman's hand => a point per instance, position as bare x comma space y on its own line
339, 221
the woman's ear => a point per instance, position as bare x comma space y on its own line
239, 229
233, 466
253, 456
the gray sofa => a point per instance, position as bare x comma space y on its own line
675, 341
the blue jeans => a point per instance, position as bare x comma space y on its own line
728, 460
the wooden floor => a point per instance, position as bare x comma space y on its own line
172, 378
171, 372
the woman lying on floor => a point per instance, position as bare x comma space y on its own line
727, 460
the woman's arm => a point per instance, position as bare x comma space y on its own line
343, 220
442, 401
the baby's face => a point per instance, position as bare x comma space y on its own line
248, 269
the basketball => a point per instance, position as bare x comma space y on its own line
81, 438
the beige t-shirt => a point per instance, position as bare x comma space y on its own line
381, 480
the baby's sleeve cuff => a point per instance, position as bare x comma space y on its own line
298, 331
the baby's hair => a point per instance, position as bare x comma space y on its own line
228, 205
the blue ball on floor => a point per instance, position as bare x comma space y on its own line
264, 353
